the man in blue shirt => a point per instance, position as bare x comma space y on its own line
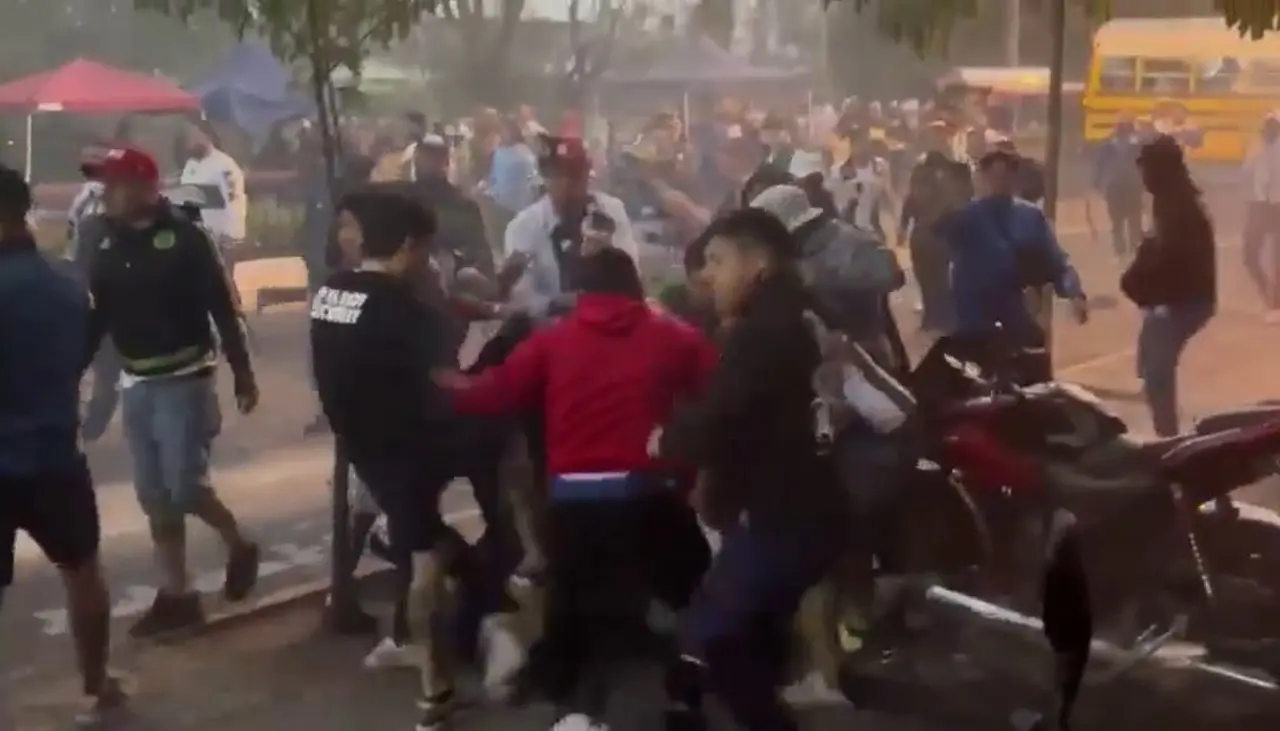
45, 487
1002, 246
1115, 177
513, 178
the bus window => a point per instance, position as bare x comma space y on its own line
1219, 75
1164, 76
1264, 75
1118, 74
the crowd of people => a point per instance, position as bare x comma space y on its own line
764, 397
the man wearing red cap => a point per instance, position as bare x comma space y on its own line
544, 242
157, 281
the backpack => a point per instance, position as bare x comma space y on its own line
858, 258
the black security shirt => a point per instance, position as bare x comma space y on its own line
374, 345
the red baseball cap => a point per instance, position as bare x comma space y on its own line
564, 155
124, 164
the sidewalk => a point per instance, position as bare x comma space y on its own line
282, 672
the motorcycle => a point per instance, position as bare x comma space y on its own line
1163, 547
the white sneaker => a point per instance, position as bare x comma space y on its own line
813, 690
503, 655
579, 722
389, 654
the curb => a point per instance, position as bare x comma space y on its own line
226, 619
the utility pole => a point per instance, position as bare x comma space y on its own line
1012, 33
1053, 146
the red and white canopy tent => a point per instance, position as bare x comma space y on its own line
87, 87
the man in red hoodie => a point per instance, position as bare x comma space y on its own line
606, 374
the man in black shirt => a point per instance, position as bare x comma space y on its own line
375, 344
157, 281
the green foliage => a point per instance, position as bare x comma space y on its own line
1250, 17
328, 33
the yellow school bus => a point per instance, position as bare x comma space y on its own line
1193, 77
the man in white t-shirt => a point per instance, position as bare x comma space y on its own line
210, 167
860, 188
543, 241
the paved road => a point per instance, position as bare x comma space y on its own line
278, 483
278, 673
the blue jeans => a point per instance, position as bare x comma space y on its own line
170, 424
1164, 335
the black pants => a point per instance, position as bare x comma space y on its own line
606, 561
931, 266
58, 509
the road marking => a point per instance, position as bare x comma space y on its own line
137, 598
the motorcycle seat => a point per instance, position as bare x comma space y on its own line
1236, 418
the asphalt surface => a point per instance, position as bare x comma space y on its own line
277, 482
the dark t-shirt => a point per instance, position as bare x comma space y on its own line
374, 344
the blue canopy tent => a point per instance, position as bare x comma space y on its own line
250, 89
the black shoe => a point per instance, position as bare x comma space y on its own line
683, 719
242, 572
169, 613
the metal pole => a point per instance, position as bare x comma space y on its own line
343, 614
1053, 150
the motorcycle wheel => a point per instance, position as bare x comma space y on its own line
944, 532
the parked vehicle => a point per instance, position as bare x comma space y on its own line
1163, 546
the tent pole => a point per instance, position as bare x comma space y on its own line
28, 155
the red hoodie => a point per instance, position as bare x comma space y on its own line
609, 373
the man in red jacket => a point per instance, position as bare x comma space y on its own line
606, 374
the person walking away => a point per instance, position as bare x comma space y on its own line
512, 181
1173, 277
374, 342
607, 372
938, 187
544, 241
46, 490
778, 502
157, 282
1116, 179
1262, 216
222, 182
1001, 246
87, 226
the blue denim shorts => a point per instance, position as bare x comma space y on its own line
170, 424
